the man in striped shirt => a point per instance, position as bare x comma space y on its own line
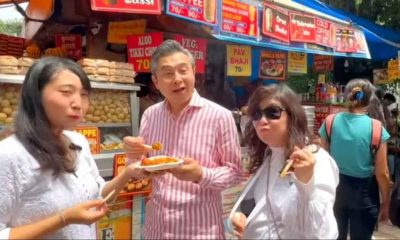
186, 201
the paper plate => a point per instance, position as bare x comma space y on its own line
162, 166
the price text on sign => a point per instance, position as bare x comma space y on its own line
141, 48
202, 11
239, 60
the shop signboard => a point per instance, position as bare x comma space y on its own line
118, 32
272, 65
133, 187
238, 60
198, 48
202, 11
325, 34
323, 63
239, 18
345, 40
275, 22
380, 76
393, 69
72, 43
141, 48
297, 62
127, 6
302, 28
92, 134
361, 42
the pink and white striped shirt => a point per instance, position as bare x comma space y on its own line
205, 132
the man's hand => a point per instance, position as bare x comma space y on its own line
191, 170
134, 147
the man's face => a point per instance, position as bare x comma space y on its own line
174, 78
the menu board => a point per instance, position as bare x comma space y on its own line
141, 48
297, 62
127, 6
238, 60
92, 135
202, 11
72, 43
302, 28
275, 22
323, 63
325, 34
239, 18
198, 48
273, 65
345, 40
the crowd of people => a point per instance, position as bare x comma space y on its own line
50, 186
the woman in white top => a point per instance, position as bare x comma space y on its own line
50, 186
300, 204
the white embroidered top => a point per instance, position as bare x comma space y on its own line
28, 194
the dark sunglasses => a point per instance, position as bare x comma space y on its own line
271, 112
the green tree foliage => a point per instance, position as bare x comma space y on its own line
11, 27
382, 12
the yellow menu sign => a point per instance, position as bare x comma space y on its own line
238, 60
393, 70
119, 31
92, 135
297, 62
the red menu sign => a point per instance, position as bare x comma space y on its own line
273, 65
72, 43
92, 134
345, 40
302, 28
204, 11
275, 22
323, 63
239, 18
141, 48
127, 6
198, 48
326, 33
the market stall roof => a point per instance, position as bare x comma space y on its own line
383, 43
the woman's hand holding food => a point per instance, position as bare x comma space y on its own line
303, 164
239, 222
85, 213
134, 147
191, 170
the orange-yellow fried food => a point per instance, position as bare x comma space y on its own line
156, 161
157, 146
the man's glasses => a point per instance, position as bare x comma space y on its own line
271, 112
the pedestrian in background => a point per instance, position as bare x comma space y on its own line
361, 169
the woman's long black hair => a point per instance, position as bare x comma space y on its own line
32, 126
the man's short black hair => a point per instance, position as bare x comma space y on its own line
390, 97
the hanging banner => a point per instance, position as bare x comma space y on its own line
72, 43
118, 32
238, 60
198, 48
345, 40
202, 11
322, 63
297, 62
273, 65
302, 28
361, 42
141, 48
127, 6
325, 34
275, 22
239, 18
92, 135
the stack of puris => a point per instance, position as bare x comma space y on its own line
122, 72
24, 63
8, 64
96, 69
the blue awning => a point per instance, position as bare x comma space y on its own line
383, 43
